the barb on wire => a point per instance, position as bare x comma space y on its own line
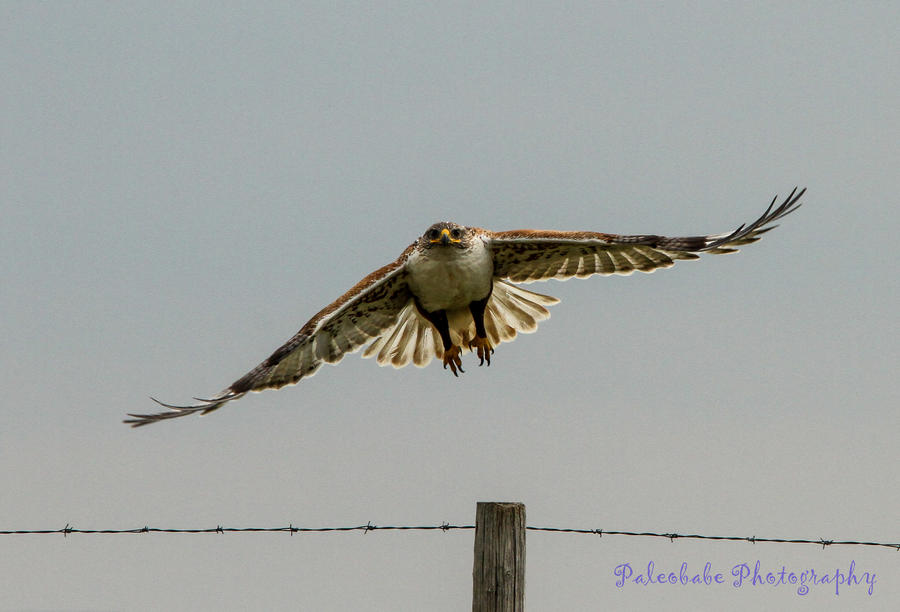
445, 527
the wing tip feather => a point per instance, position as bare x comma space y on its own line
174, 411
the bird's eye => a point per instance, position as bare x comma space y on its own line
432, 234
456, 234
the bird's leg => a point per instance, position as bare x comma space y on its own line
438, 318
452, 358
480, 343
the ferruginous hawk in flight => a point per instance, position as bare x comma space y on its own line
453, 291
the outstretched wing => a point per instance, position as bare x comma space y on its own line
525, 256
366, 311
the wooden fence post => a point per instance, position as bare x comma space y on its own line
498, 576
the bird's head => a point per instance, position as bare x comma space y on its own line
446, 234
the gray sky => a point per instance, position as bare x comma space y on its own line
184, 187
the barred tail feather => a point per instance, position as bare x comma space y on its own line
412, 339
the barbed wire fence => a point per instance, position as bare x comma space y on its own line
369, 526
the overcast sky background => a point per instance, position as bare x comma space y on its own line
183, 187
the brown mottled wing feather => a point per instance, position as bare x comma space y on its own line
525, 256
358, 316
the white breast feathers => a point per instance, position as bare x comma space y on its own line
450, 278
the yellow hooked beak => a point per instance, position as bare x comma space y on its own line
445, 238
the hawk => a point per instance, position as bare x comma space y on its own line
453, 290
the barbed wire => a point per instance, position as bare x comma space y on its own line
219, 529
694, 536
65, 531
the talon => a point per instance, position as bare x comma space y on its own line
452, 358
482, 348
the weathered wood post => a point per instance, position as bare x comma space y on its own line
498, 576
